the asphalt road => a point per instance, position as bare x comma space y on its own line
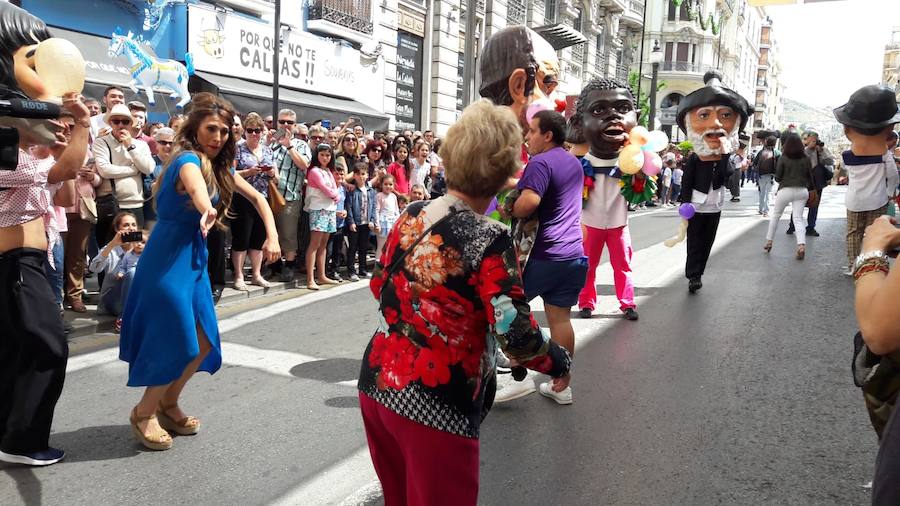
740, 394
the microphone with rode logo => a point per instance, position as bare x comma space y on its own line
31, 109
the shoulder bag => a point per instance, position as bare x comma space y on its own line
813, 199
879, 378
107, 206
276, 199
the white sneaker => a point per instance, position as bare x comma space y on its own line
848, 272
564, 397
513, 389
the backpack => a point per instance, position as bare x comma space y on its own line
765, 162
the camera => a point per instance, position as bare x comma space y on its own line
13, 113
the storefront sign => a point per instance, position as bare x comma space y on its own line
232, 45
409, 81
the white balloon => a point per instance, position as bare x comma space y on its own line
656, 141
60, 66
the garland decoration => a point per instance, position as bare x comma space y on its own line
637, 189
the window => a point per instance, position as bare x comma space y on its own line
683, 13
550, 12
578, 22
672, 10
683, 50
601, 54
670, 48
355, 15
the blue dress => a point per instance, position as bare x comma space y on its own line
170, 293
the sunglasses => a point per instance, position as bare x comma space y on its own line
124, 122
349, 139
285, 122
254, 130
317, 137
376, 149
165, 143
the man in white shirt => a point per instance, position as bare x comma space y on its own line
121, 161
112, 96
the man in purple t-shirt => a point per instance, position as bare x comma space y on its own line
551, 187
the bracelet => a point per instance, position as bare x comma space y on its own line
870, 266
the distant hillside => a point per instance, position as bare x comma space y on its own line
802, 114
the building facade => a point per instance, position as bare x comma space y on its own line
769, 87
890, 75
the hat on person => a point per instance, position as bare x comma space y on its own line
118, 110
669, 157
869, 107
713, 94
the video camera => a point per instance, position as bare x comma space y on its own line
21, 109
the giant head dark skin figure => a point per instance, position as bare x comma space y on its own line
608, 114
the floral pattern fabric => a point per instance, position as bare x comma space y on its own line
444, 310
246, 159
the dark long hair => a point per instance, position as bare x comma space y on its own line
17, 28
793, 146
315, 157
407, 164
216, 172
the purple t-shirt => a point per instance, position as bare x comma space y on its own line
558, 178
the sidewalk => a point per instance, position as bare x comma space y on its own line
90, 323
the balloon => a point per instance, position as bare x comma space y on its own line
657, 141
543, 104
631, 159
638, 136
652, 163
687, 210
682, 233
60, 65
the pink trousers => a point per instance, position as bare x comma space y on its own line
618, 241
416, 464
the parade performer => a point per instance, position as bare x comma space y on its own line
33, 348
711, 117
608, 114
169, 327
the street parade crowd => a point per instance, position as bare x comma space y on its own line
517, 201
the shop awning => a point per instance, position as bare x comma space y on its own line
250, 96
561, 36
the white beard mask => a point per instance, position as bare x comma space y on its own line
727, 142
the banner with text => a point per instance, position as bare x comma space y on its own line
231, 45
409, 80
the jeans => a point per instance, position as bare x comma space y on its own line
676, 192
796, 197
765, 188
113, 299
55, 273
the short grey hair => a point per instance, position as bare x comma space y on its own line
287, 112
810, 133
316, 129
164, 131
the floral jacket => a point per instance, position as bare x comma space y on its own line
444, 311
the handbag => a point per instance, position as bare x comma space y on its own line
87, 209
107, 206
879, 378
813, 199
276, 199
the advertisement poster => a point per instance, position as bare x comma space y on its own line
409, 81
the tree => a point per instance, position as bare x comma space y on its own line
644, 100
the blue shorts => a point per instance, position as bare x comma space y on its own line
557, 282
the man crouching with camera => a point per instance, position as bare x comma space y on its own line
33, 349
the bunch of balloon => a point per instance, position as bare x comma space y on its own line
686, 211
641, 155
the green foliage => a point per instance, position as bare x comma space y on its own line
644, 101
685, 147
693, 10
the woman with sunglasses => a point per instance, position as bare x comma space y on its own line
374, 154
347, 152
253, 162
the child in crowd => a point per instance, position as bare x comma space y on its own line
361, 220
402, 202
416, 193
387, 210
335, 246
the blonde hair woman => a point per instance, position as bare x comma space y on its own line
450, 293
192, 193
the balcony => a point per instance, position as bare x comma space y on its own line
762, 83
684, 66
347, 19
633, 16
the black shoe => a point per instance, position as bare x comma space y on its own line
735, 199
41, 458
651, 204
584, 313
217, 294
287, 274
631, 314
790, 231
812, 232
694, 284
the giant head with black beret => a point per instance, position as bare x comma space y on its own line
712, 117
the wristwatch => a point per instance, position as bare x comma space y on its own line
131, 148
290, 147
870, 255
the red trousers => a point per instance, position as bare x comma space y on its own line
416, 464
618, 241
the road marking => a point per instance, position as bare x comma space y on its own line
349, 478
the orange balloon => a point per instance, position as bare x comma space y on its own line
631, 159
638, 136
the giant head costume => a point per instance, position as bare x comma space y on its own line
712, 117
517, 67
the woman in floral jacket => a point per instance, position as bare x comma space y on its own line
450, 292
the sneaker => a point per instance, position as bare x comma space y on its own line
41, 458
503, 360
564, 397
848, 272
631, 314
789, 231
812, 232
694, 284
354, 278
514, 389
287, 274
735, 199
585, 312
337, 277
365, 274
118, 325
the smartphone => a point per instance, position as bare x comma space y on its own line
265, 168
281, 134
133, 236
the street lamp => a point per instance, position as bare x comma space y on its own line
656, 57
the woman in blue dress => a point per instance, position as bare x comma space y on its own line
169, 327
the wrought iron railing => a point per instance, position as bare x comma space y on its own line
353, 14
684, 66
637, 6
515, 12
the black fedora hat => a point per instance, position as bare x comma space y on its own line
869, 107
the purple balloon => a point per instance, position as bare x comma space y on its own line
491, 207
687, 210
